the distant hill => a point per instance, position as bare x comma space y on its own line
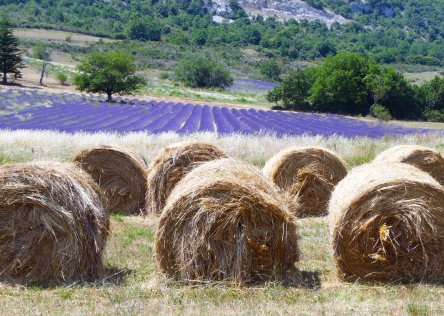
391, 31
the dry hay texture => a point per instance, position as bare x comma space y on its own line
226, 222
421, 157
171, 165
121, 175
53, 226
387, 224
308, 175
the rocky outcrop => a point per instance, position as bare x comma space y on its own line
283, 10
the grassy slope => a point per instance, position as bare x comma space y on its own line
134, 284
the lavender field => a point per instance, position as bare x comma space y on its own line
36, 110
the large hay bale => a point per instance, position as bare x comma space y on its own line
225, 221
421, 157
308, 175
53, 226
387, 224
171, 165
121, 175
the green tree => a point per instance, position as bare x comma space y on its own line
203, 71
144, 30
294, 90
41, 52
379, 81
108, 73
10, 53
433, 99
271, 69
340, 85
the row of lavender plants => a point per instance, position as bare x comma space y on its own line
36, 110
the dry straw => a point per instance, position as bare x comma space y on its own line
308, 175
121, 175
225, 222
171, 165
421, 157
387, 224
53, 225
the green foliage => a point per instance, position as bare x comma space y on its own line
10, 53
271, 69
354, 85
294, 90
340, 85
381, 113
108, 73
40, 51
389, 31
62, 78
144, 30
203, 71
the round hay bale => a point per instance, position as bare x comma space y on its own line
225, 222
53, 226
424, 158
121, 175
171, 165
308, 175
387, 224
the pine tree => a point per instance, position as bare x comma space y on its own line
10, 53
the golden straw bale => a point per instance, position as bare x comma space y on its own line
171, 165
53, 226
421, 157
121, 175
308, 175
225, 222
387, 224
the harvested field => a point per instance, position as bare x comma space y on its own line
133, 284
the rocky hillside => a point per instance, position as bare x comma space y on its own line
281, 9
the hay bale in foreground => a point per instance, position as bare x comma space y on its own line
171, 165
424, 158
225, 221
121, 175
53, 226
387, 224
308, 175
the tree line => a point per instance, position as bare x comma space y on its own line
352, 84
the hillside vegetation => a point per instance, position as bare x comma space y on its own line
389, 31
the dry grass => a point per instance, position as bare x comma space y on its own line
224, 221
308, 175
171, 165
58, 36
134, 285
423, 158
120, 174
37, 145
53, 226
387, 222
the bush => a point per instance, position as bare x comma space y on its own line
62, 78
434, 115
164, 75
203, 71
271, 69
381, 113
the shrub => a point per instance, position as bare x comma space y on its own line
381, 113
62, 78
203, 71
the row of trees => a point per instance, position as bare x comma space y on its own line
355, 85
